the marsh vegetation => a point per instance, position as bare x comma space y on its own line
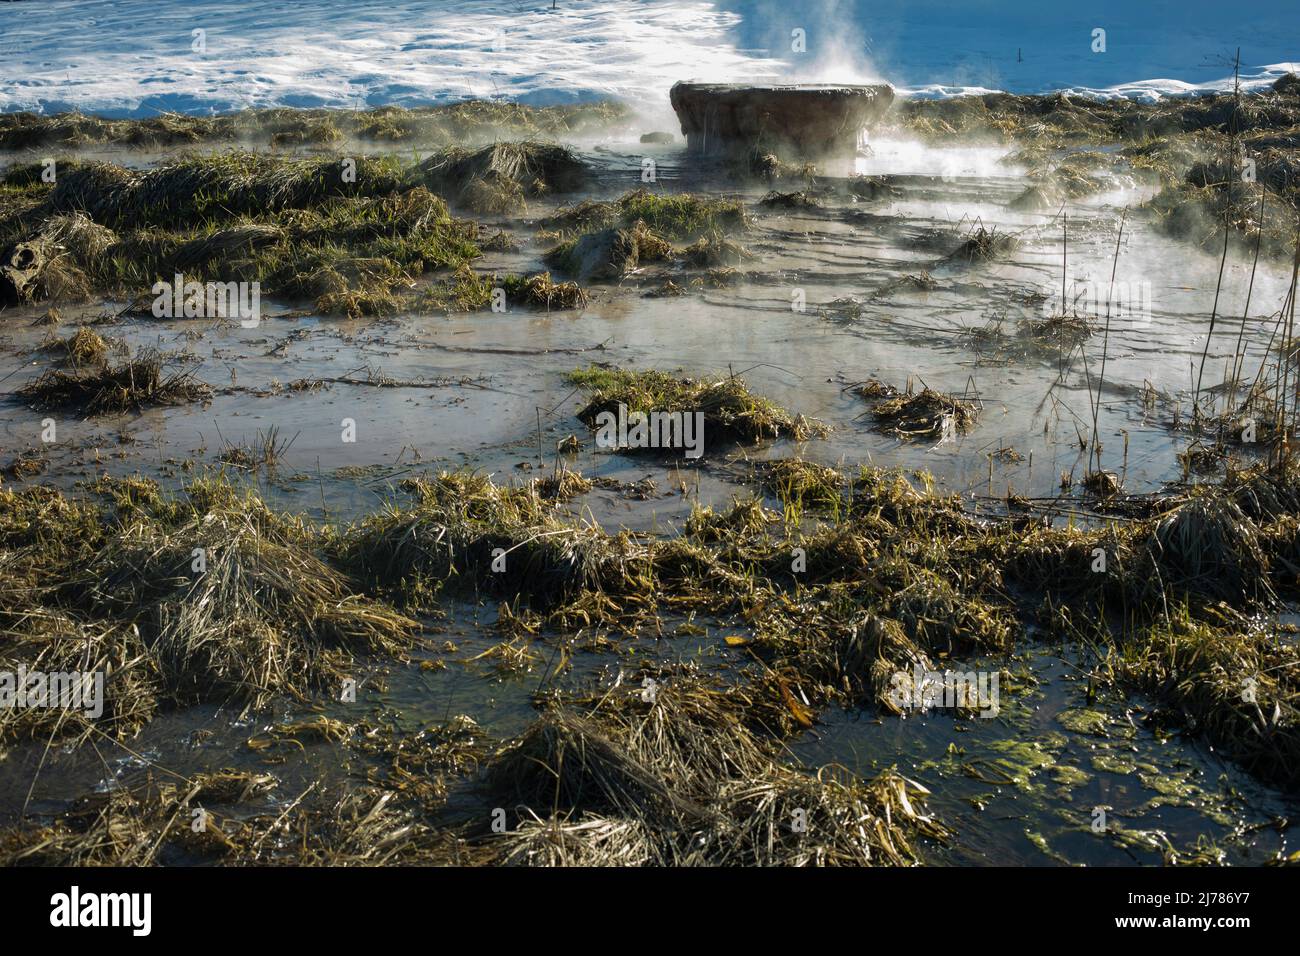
461, 631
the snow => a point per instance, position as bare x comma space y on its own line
140, 57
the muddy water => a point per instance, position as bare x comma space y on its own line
487, 390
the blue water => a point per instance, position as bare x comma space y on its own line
1027, 47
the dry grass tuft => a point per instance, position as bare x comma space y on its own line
715, 250
1239, 686
983, 245
83, 348
1209, 546
467, 533
52, 264
231, 601
498, 178
926, 414
788, 201
103, 389
731, 412
684, 780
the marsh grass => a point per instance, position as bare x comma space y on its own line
203, 189
47, 640
448, 123
264, 452
1074, 175
898, 577
540, 291
204, 597
54, 262
680, 217
1057, 332
1208, 545
498, 179
461, 526
895, 574
232, 601
790, 201
610, 253
105, 388
983, 245
26, 464
1196, 208
927, 414
683, 216
768, 167
1239, 685
563, 485
685, 780
803, 484
872, 187
731, 412
746, 516
352, 238
470, 291
140, 826
607, 239
149, 823
713, 250
85, 347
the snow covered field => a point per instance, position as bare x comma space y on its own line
139, 57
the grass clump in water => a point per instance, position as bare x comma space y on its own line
610, 253
803, 484
466, 533
680, 217
1237, 684
136, 383
983, 245
1059, 332
745, 517
686, 780
85, 347
497, 179
606, 240
928, 414
470, 291
563, 485
540, 291
792, 200
232, 600
731, 412
713, 250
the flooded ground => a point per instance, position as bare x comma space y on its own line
838, 293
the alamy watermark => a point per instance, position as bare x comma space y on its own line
624, 429
1101, 299
924, 690
197, 300
76, 909
23, 689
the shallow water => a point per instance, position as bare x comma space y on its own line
487, 390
